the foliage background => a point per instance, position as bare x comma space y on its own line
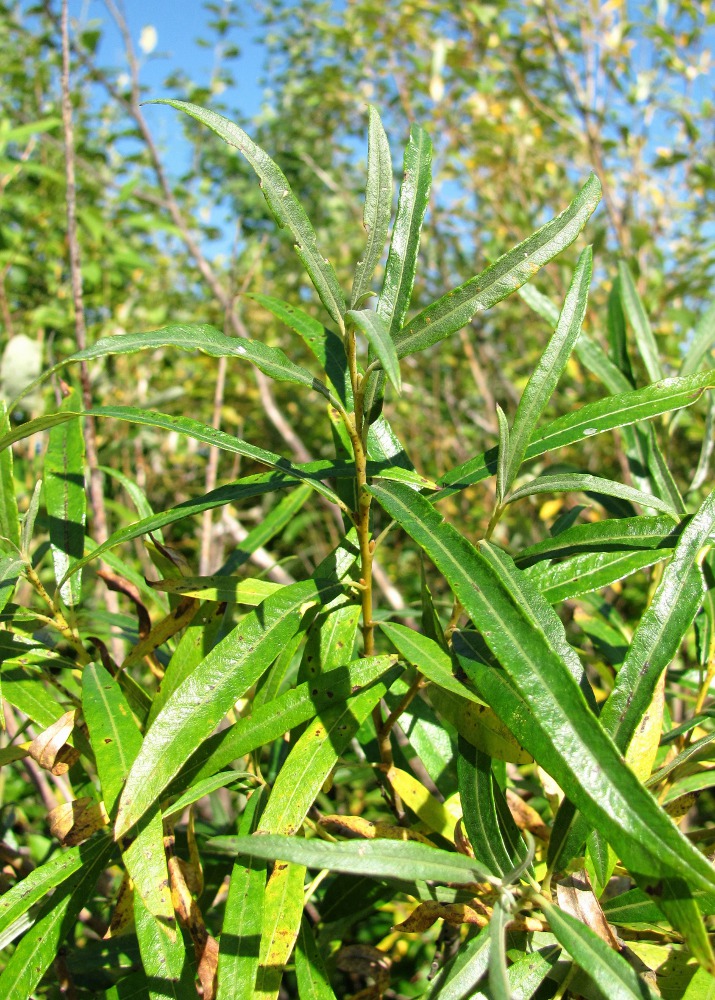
521, 101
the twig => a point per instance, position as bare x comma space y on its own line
96, 487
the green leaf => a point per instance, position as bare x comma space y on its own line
9, 517
547, 373
455, 309
116, 741
287, 711
401, 264
242, 489
498, 846
660, 630
405, 243
702, 342
165, 960
429, 658
594, 418
243, 918
313, 757
589, 571
66, 499
39, 882
637, 317
313, 981
224, 779
498, 977
330, 640
214, 437
560, 731
38, 948
583, 483
378, 206
285, 207
458, 978
503, 462
282, 909
389, 859
326, 345
187, 337
612, 535
378, 337
220, 588
194, 710
610, 971
10, 569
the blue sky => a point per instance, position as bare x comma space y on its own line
177, 24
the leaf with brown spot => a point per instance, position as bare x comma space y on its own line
50, 749
74, 822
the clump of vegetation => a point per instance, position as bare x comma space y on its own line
282, 784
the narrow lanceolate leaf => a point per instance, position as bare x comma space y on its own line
189, 337
9, 517
243, 916
455, 309
285, 207
500, 849
198, 705
214, 437
624, 534
429, 658
656, 641
390, 859
637, 317
242, 489
374, 328
313, 981
282, 910
613, 975
560, 731
313, 758
661, 629
38, 948
498, 977
116, 741
548, 371
503, 462
290, 709
325, 345
378, 206
594, 418
458, 978
42, 880
583, 483
66, 499
702, 342
589, 571
405, 243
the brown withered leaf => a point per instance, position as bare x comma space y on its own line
123, 913
190, 916
74, 822
208, 964
363, 962
575, 896
356, 826
178, 619
679, 807
50, 749
525, 816
461, 840
456, 914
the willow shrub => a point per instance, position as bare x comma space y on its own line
590, 888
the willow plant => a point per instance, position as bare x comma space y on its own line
501, 682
